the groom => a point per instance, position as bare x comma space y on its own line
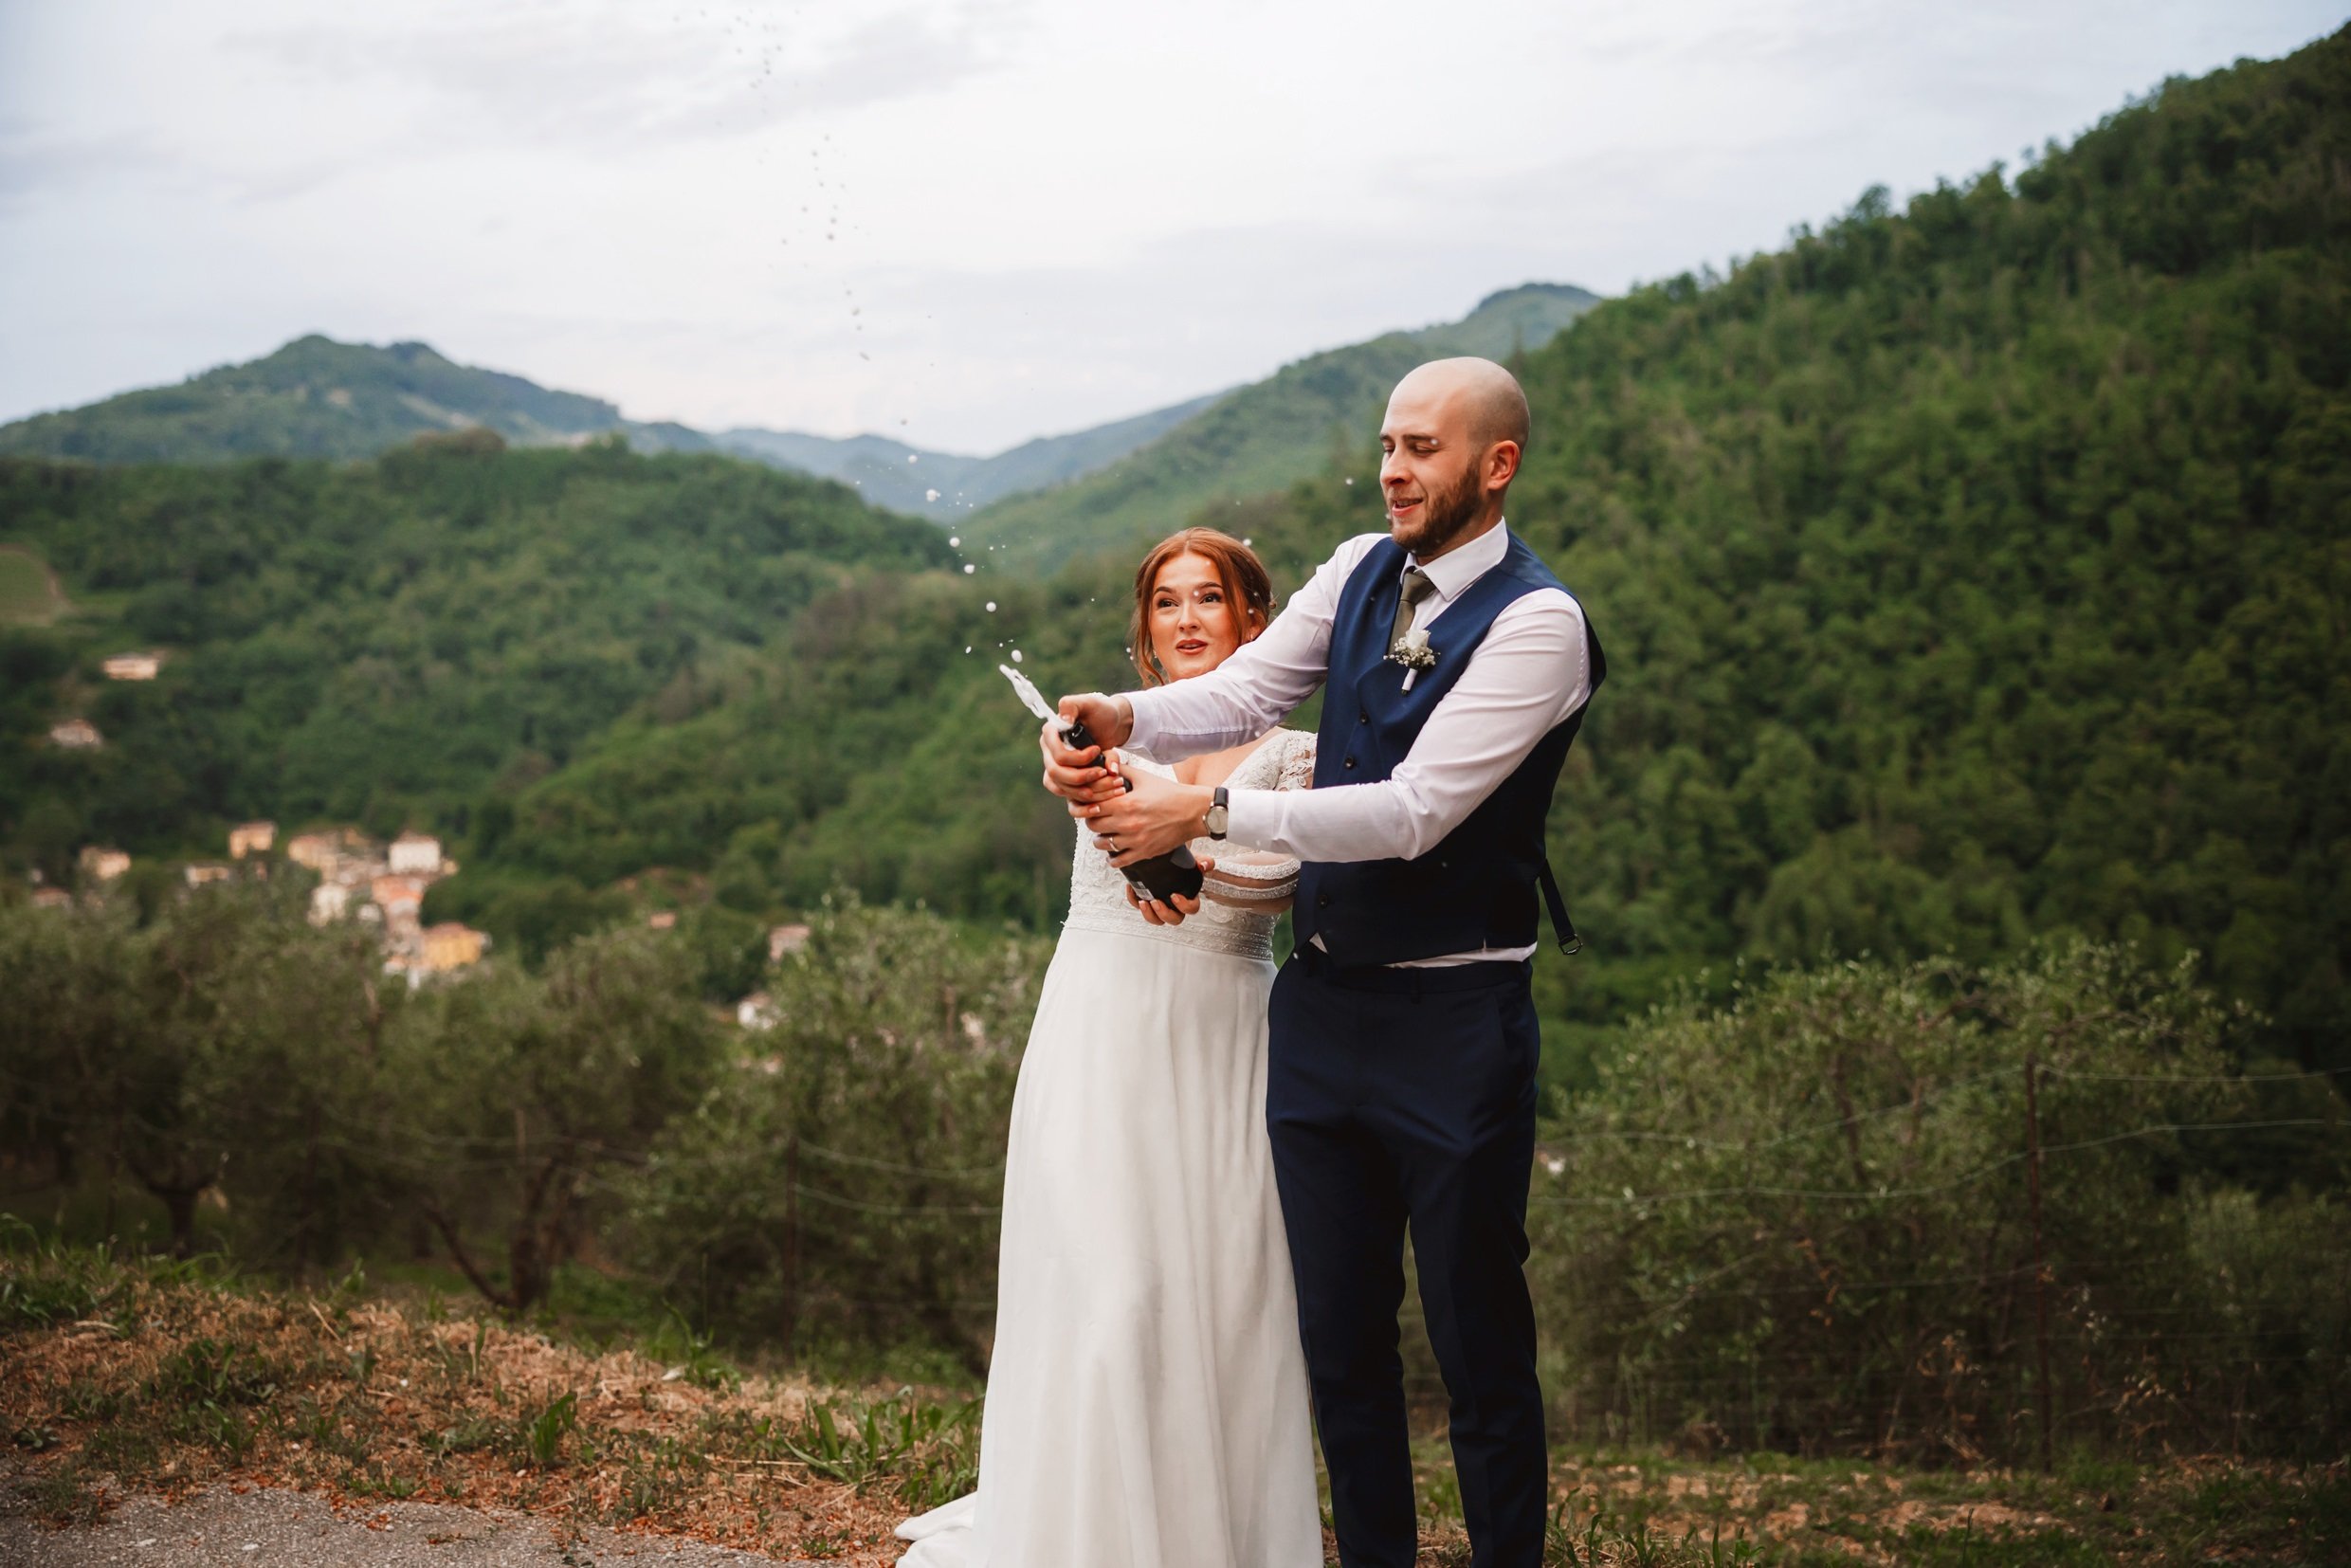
1401, 1079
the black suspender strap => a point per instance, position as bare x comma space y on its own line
1561, 927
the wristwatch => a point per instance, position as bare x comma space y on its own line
1217, 816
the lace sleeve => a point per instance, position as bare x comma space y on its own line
1298, 766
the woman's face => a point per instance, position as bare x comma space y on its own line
1193, 627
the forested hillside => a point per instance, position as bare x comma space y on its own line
1258, 439
1978, 591
1967, 571
384, 641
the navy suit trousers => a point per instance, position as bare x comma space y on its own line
1401, 1097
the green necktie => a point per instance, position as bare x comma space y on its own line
1416, 588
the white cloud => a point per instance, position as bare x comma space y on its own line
987, 220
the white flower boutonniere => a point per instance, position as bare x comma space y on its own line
1412, 652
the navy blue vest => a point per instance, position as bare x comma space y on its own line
1475, 888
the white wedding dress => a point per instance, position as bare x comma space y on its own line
1147, 1402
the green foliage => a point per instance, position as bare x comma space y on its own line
210, 1049
1803, 1221
881, 755
27, 593
232, 1049
507, 1096
543, 1433
841, 1179
1970, 572
381, 642
930, 1450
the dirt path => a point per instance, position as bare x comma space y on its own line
222, 1527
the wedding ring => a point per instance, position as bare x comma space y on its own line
1114, 845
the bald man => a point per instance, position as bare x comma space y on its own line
1400, 1085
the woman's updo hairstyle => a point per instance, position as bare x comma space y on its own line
1247, 588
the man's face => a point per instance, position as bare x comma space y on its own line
1429, 469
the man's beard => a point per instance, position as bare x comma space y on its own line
1445, 514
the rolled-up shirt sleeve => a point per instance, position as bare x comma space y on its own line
1528, 675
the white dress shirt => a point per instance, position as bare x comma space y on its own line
1529, 673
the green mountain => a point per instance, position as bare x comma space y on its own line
385, 641
316, 397
1259, 439
1968, 571
945, 486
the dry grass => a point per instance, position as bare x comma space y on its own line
164, 1382
126, 1376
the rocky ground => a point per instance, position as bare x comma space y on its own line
246, 1527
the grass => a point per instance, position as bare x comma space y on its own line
1650, 1509
28, 594
120, 1373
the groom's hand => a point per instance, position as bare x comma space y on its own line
1081, 776
1151, 819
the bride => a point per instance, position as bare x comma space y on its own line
1147, 1402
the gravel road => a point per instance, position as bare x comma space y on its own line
219, 1528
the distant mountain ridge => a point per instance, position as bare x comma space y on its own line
317, 397
879, 467
1258, 439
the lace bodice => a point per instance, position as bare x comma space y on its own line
1283, 761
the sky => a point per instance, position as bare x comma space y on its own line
965, 224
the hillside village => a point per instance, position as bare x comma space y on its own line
381, 888
376, 885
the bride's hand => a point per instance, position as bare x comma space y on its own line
1173, 911
1152, 819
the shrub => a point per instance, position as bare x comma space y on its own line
1803, 1221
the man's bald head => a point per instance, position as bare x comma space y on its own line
1448, 451
1487, 396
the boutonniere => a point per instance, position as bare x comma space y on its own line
1412, 652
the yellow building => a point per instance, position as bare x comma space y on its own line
104, 864
450, 945
252, 838
316, 851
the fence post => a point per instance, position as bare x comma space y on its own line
2040, 1266
791, 1242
